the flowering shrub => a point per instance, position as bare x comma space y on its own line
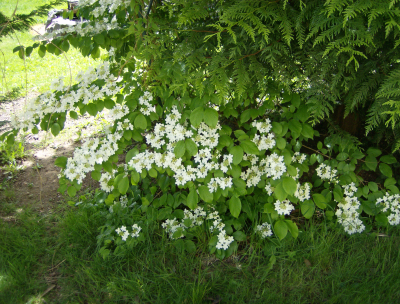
200, 158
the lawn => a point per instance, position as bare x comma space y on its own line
36, 72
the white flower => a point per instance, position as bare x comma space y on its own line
264, 230
284, 207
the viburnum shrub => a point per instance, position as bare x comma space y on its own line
215, 141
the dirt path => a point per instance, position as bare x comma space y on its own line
36, 183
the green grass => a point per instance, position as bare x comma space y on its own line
40, 72
321, 266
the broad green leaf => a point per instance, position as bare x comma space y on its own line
373, 186
131, 153
307, 208
239, 236
73, 115
289, 185
280, 143
388, 159
191, 147
179, 149
211, 117
123, 185
249, 147
96, 175
192, 199
205, 194
280, 192
99, 39
71, 191
91, 109
276, 127
190, 246
295, 126
371, 162
245, 116
374, 152
320, 200
235, 206
385, 169
237, 153
196, 117
307, 131
294, 230
140, 122
61, 162
55, 129
389, 182
280, 229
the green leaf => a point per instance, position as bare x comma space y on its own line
389, 182
135, 177
276, 127
205, 194
371, 162
295, 126
237, 153
294, 230
91, 109
190, 246
245, 116
123, 185
357, 155
280, 143
374, 152
280, 192
307, 208
289, 185
385, 170
99, 39
140, 122
280, 229
211, 117
55, 129
192, 199
235, 206
388, 159
131, 154
179, 149
249, 147
96, 175
71, 191
42, 51
196, 117
373, 186
239, 236
320, 200
191, 147
73, 115
61, 162
307, 131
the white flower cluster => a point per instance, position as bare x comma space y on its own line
167, 135
325, 172
47, 103
109, 6
347, 213
92, 152
263, 142
298, 157
124, 233
391, 203
284, 207
272, 166
303, 191
84, 28
176, 229
146, 106
264, 230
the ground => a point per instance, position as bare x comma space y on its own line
35, 180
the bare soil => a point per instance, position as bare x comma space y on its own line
35, 184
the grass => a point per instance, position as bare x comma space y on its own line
321, 266
40, 72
